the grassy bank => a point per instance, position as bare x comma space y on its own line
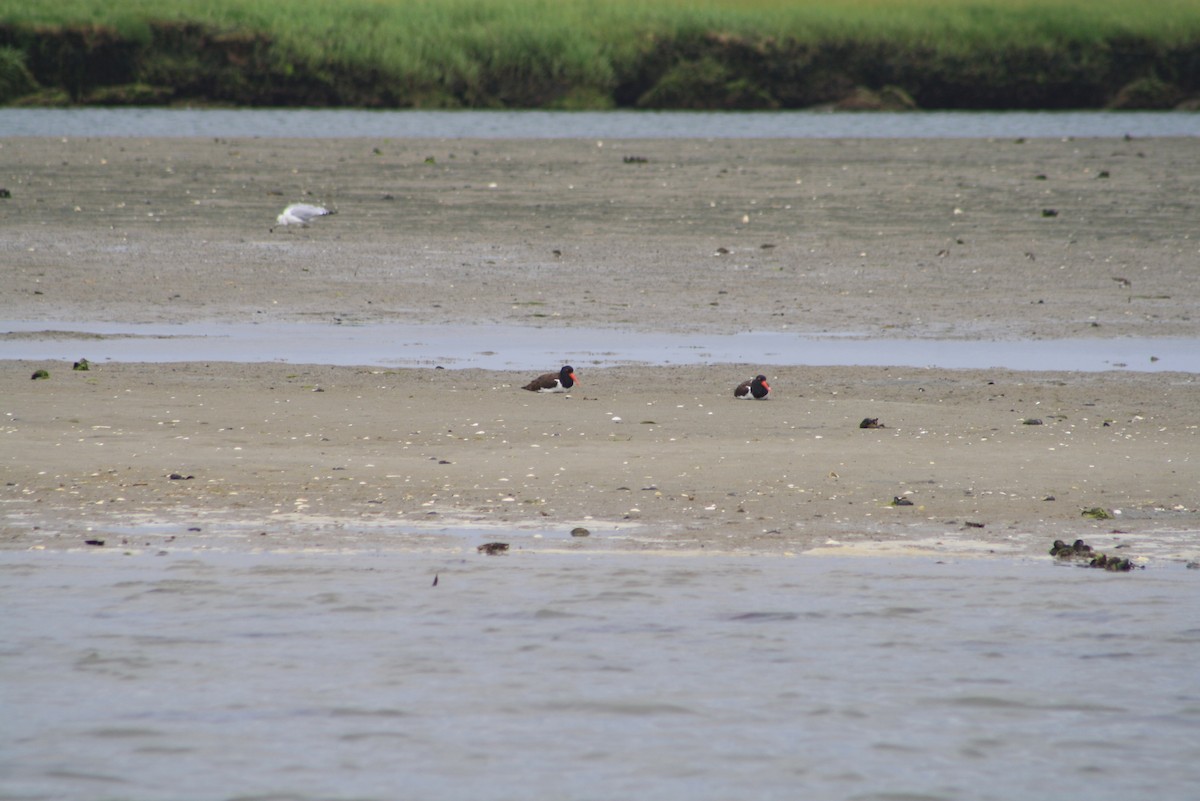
592, 54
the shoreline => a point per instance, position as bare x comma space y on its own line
884, 237
892, 238
330, 456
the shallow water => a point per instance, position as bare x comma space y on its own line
501, 347
317, 123
545, 674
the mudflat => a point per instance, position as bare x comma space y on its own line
951, 239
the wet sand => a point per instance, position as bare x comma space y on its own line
945, 239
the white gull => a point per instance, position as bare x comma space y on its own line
301, 214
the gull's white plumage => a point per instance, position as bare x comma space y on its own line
301, 214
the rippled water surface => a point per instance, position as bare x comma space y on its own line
500, 347
570, 675
587, 124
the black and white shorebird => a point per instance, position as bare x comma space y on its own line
301, 214
561, 381
756, 388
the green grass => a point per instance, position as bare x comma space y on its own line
466, 48
422, 35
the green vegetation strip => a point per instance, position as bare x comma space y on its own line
593, 54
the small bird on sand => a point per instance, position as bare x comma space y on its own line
301, 214
561, 381
756, 388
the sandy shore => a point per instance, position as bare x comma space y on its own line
947, 239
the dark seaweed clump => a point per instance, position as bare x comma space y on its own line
1084, 555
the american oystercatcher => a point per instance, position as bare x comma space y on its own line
561, 381
754, 389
